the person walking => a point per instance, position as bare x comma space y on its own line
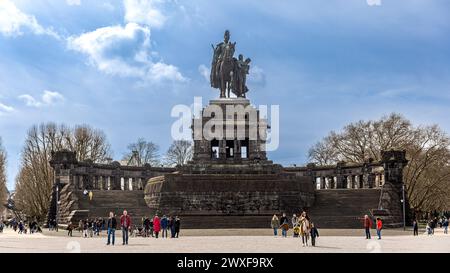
156, 225
367, 226
314, 234
415, 228
91, 195
274, 224
305, 228
111, 227
284, 225
379, 227
445, 225
177, 226
164, 226
125, 224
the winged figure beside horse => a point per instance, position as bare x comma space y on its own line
228, 73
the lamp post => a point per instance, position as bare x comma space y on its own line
57, 201
404, 208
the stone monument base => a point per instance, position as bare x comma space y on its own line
237, 197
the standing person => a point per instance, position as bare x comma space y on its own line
111, 226
172, 226
274, 224
445, 225
151, 227
146, 227
125, 224
164, 226
314, 234
91, 195
379, 227
177, 226
367, 226
294, 220
69, 229
432, 226
80, 226
415, 228
284, 225
305, 228
156, 225
85, 228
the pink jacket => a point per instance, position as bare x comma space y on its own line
156, 224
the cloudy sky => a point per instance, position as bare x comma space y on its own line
122, 65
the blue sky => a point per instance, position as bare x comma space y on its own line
122, 65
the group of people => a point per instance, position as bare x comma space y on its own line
433, 223
89, 227
368, 226
21, 227
152, 227
302, 227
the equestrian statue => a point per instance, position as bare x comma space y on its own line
228, 73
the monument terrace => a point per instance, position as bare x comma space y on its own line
230, 182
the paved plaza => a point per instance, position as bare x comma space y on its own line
329, 242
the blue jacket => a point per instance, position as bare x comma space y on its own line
164, 223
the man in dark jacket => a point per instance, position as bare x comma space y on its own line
111, 226
314, 234
177, 226
284, 224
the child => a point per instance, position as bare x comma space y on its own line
314, 234
296, 231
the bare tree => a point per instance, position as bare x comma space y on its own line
142, 152
179, 153
35, 179
427, 175
3, 188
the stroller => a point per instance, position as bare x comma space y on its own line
138, 231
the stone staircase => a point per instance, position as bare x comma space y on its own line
343, 208
105, 201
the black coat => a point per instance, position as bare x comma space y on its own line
177, 225
112, 223
314, 232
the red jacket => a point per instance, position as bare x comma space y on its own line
367, 223
379, 224
125, 221
156, 224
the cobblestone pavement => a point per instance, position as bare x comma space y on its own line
13, 242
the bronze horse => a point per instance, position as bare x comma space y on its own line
226, 70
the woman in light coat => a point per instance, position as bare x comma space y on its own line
305, 228
274, 224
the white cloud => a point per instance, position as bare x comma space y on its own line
48, 98
13, 21
144, 12
73, 2
373, 2
204, 71
5, 109
123, 51
257, 75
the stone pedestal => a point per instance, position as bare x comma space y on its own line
230, 180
